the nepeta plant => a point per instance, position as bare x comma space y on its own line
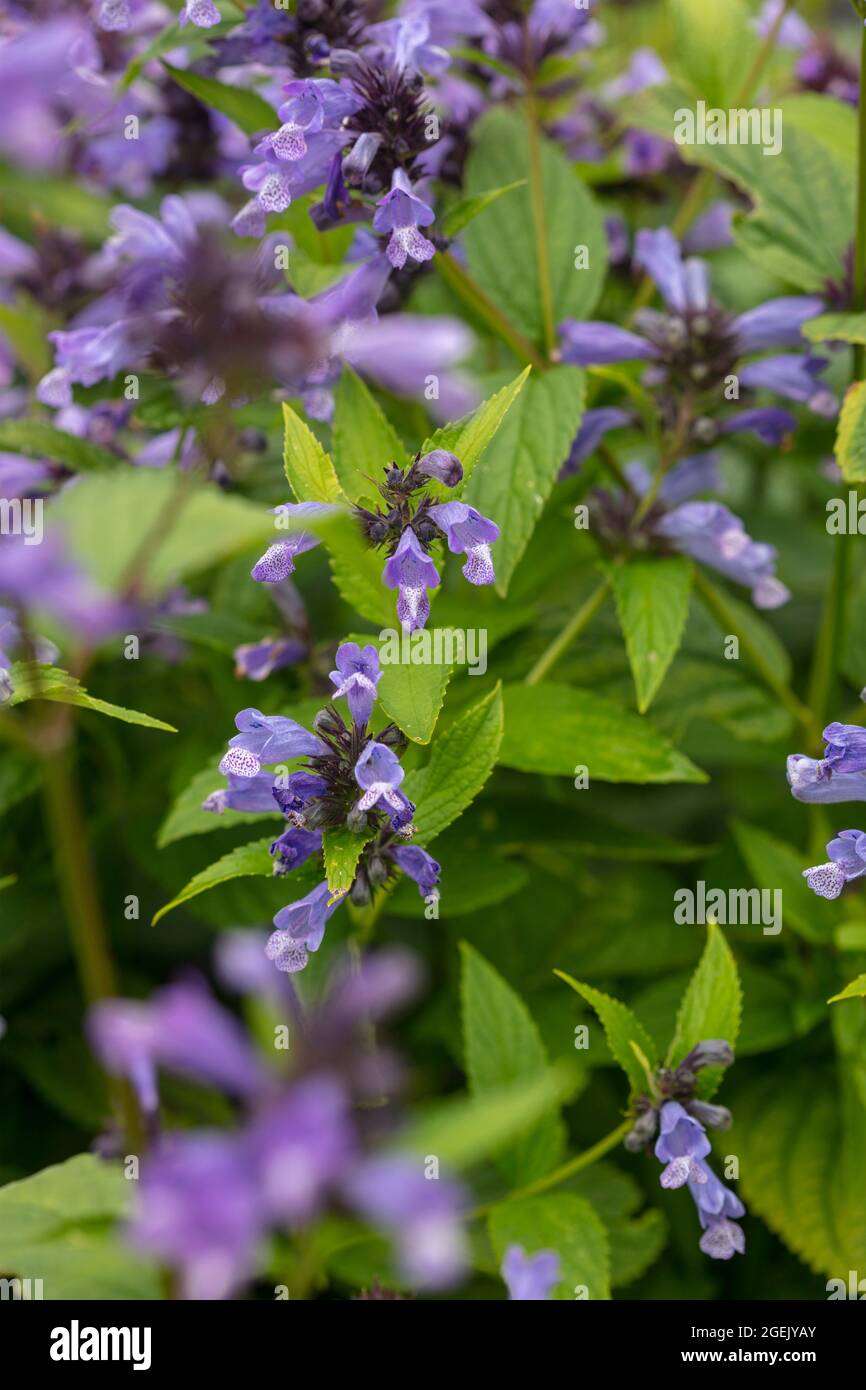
449, 403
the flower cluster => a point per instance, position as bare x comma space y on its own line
839, 776
349, 780
308, 1138
677, 1120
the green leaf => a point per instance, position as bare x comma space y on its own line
555, 728
119, 521
412, 688
840, 328
516, 475
462, 1131
342, 848
500, 246
250, 112
713, 47
777, 867
186, 816
469, 438
365, 441
468, 209
357, 571
30, 198
851, 434
31, 681
25, 325
564, 1223
59, 1225
249, 860
503, 1045
7, 881
710, 1008
652, 600
856, 990
36, 440
460, 762
621, 1029
308, 468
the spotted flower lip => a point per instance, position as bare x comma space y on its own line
683, 1147
411, 571
265, 739
681, 1142
401, 213
301, 928
278, 561
469, 533
847, 861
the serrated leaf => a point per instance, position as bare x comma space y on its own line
516, 475
357, 571
840, 328
250, 112
469, 438
249, 860
32, 681
621, 1029
652, 600
59, 1226
710, 1008
856, 990
37, 440
500, 246
713, 47
342, 850
464, 1130
555, 728
564, 1223
851, 434
503, 1045
412, 692
309, 469
468, 209
365, 441
461, 760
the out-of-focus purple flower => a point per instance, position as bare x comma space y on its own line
595, 424
847, 861
422, 1213
709, 532
411, 571
356, 678
265, 739
681, 1142
41, 577
402, 352
419, 865
300, 1147
530, 1278
300, 928
203, 13
401, 213
808, 780
712, 230
379, 773
255, 661
405, 43
199, 1210
794, 32
120, 1031
469, 533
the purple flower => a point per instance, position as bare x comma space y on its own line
422, 1213
681, 1142
300, 928
419, 865
401, 213
468, 533
845, 749
847, 861
265, 739
439, 464
252, 794
255, 661
198, 1209
278, 561
709, 532
41, 577
530, 1278
202, 13
411, 571
809, 781
356, 678
593, 427
300, 1147
293, 792
379, 773
294, 847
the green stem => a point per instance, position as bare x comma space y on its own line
542, 256
457, 279
572, 629
717, 605
566, 1170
